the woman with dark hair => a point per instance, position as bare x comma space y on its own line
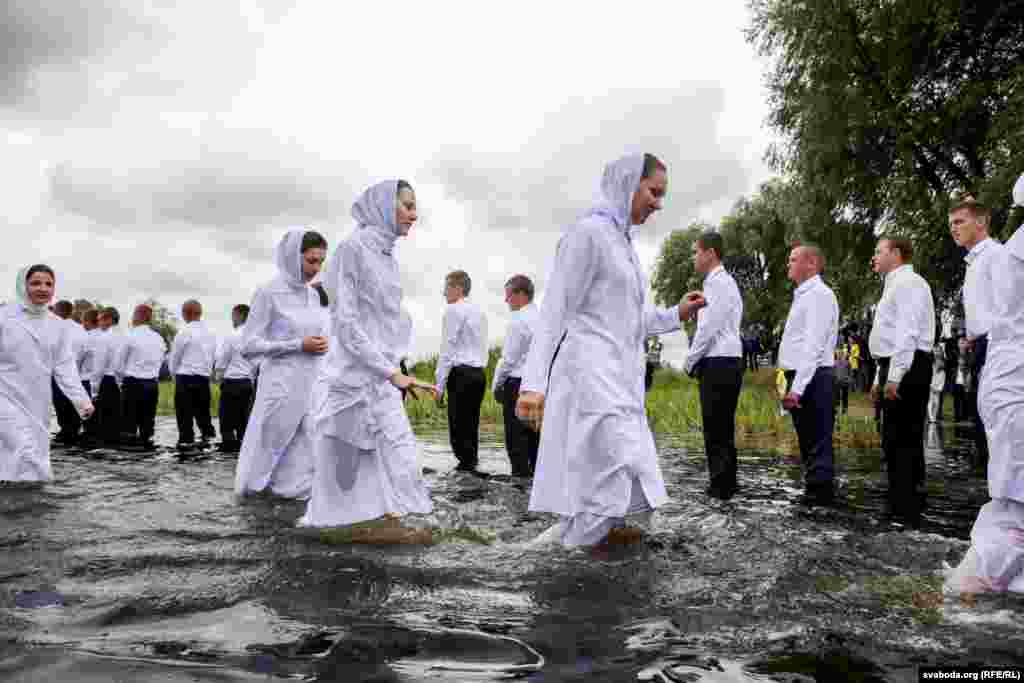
585, 371
287, 328
34, 346
366, 455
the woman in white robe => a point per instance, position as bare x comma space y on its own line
287, 329
367, 458
35, 345
585, 372
995, 560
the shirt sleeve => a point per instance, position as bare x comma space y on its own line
347, 328
514, 352
121, 358
710, 322
907, 312
818, 321
65, 374
223, 356
573, 272
99, 362
450, 328
257, 327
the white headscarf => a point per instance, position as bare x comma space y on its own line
1018, 191
1016, 243
21, 292
288, 257
619, 183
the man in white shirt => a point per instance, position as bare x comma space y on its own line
460, 368
191, 362
521, 442
716, 359
901, 342
969, 222
807, 355
236, 389
104, 382
138, 368
88, 369
67, 417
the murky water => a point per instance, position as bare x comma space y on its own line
145, 568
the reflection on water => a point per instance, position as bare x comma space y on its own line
145, 567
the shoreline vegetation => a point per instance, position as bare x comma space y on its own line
673, 407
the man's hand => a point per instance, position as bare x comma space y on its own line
876, 393
400, 381
690, 304
530, 409
892, 391
314, 344
791, 400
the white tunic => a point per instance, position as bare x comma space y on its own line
32, 350
463, 340
904, 322
718, 324
193, 350
812, 328
366, 454
980, 285
141, 355
516, 349
230, 360
596, 447
276, 452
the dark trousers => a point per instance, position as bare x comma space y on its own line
466, 386
108, 411
980, 438
140, 398
192, 402
720, 382
67, 417
235, 406
903, 427
750, 358
521, 442
649, 375
814, 421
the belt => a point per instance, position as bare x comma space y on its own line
236, 380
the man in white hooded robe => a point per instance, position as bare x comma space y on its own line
585, 373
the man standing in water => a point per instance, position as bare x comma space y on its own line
104, 379
969, 221
191, 363
460, 368
807, 356
716, 359
139, 369
67, 417
521, 442
235, 385
902, 338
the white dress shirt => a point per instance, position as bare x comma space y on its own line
193, 350
517, 345
230, 359
108, 349
80, 350
904, 322
979, 285
812, 328
87, 355
718, 323
463, 341
142, 354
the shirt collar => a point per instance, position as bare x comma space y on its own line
714, 271
978, 249
896, 272
807, 285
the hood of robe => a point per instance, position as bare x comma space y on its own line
375, 209
619, 183
1016, 243
21, 294
288, 257
1018, 191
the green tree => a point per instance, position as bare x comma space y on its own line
165, 322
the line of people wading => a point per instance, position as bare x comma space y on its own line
328, 424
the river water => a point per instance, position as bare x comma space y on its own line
131, 567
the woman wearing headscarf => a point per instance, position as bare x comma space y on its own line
34, 346
287, 328
585, 372
366, 454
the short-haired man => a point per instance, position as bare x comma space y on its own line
521, 442
236, 390
68, 420
191, 362
138, 369
902, 340
104, 378
716, 359
807, 357
460, 368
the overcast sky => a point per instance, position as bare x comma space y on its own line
161, 149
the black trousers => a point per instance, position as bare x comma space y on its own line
67, 417
192, 402
140, 398
814, 421
466, 386
235, 405
720, 381
903, 428
108, 410
980, 438
521, 442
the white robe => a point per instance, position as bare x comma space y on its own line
995, 560
367, 458
32, 350
277, 451
597, 461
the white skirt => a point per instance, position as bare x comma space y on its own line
585, 528
291, 474
995, 560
